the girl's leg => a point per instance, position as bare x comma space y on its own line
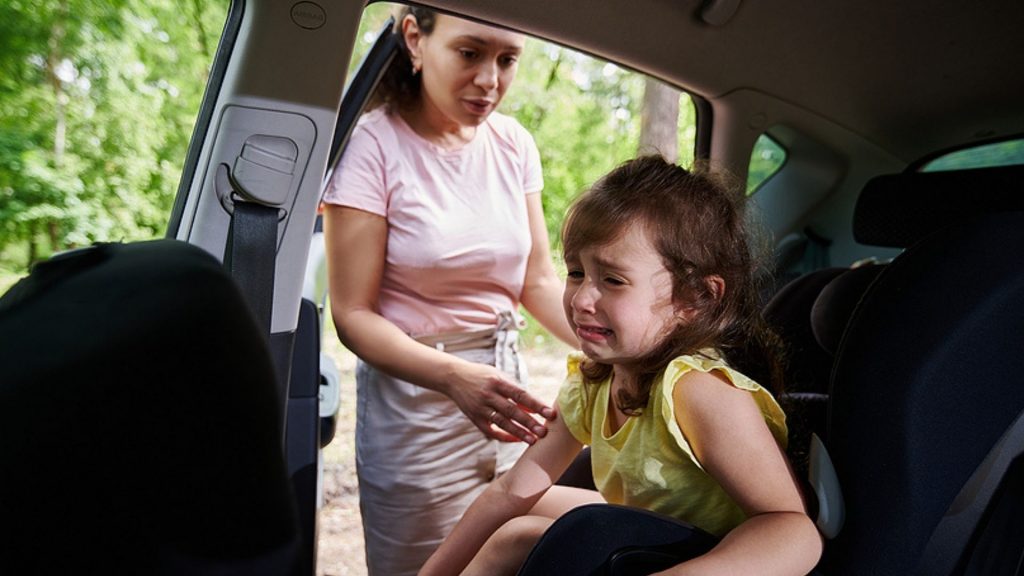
560, 499
507, 549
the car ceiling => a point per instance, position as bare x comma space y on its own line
908, 76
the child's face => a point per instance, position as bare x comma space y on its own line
618, 299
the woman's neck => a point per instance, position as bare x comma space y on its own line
434, 127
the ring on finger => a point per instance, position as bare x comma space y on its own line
490, 417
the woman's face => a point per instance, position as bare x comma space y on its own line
466, 67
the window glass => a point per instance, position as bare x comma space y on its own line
767, 158
989, 155
97, 105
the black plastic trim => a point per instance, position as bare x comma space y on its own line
370, 70
705, 117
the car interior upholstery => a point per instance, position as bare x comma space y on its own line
161, 394
144, 436
921, 410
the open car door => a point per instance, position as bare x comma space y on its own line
263, 178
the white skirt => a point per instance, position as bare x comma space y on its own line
421, 462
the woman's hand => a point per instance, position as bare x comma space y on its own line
497, 405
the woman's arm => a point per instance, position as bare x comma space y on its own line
356, 243
731, 440
512, 494
542, 289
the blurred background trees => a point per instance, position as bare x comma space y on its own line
97, 102
585, 114
98, 99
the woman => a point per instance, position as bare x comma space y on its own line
435, 236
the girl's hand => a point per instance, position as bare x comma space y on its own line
496, 404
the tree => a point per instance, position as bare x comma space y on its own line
97, 101
659, 120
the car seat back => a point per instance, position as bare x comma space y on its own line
928, 372
139, 428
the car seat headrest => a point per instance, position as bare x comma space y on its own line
836, 302
139, 427
897, 210
789, 313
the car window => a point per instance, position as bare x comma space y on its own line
97, 104
766, 159
586, 114
1004, 153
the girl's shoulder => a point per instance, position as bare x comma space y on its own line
576, 401
707, 361
574, 382
573, 361
711, 361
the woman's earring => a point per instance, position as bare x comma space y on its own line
415, 69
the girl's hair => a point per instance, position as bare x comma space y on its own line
697, 223
399, 88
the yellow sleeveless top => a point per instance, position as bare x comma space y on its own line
648, 463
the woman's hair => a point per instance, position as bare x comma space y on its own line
399, 88
697, 222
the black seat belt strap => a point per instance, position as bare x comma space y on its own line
250, 257
948, 541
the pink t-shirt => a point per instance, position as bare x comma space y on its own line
458, 231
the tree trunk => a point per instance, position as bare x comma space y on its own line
53, 62
659, 120
33, 245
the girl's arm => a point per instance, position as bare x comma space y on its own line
356, 243
512, 494
731, 440
542, 288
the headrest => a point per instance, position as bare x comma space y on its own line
834, 306
139, 427
789, 313
897, 210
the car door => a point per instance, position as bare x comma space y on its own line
272, 118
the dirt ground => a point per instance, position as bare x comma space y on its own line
340, 546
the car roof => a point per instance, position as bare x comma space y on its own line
910, 77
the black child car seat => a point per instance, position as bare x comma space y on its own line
139, 423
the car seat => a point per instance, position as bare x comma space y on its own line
924, 430
924, 426
806, 366
139, 422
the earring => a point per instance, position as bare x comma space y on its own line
415, 69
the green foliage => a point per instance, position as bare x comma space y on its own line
1005, 153
766, 159
98, 99
584, 114
97, 102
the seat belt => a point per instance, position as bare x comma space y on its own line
951, 536
252, 236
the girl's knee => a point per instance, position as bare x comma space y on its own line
507, 549
524, 530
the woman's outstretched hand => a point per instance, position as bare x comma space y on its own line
497, 405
